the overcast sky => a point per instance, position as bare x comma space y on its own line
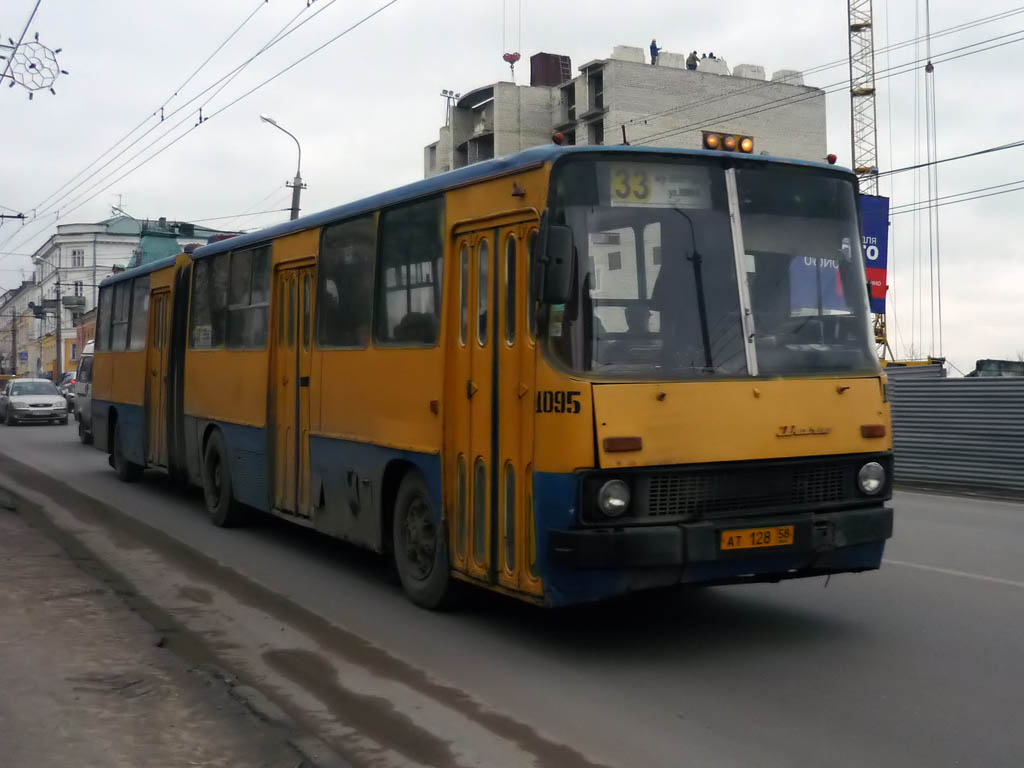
365, 106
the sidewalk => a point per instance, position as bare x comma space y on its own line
84, 683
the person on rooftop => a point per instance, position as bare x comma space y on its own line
655, 50
691, 60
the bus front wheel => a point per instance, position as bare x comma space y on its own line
420, 548
224, 510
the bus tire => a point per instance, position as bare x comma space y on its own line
420, 548
83, 434
127, 471
224, 510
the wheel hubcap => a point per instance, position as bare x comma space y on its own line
419, 538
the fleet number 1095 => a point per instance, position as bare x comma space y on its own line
556, 401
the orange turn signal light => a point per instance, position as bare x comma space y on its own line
622, 444
872, 430
729, 143
746, 144
712, 141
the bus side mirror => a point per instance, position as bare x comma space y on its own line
559, 251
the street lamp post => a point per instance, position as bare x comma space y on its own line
296, 184
59, 315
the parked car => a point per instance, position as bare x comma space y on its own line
83, 394
32, 400
66, 387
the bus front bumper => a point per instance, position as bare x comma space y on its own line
829, 542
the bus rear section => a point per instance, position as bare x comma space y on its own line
709, 406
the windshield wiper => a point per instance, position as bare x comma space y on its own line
698, 277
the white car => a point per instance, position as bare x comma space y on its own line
25, 400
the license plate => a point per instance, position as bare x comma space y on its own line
751, 538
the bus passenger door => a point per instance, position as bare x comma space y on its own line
156, 377
469, 417
293, 290
515, 399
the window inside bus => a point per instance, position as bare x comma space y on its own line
408, 307
344, 304
103, 321
231, 300
120, 315
248, 298
140, 313
804, 271
655, 286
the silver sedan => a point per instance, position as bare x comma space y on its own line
25, 400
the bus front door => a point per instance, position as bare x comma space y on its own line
290, 385
490, 423
156, 377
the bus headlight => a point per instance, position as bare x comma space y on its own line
613, 498
871, 478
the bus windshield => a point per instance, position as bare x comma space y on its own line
655, 286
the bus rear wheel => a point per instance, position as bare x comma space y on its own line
225, 511
127, 471
420, 547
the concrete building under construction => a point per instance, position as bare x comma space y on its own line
666, 105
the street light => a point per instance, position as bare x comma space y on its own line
296, 185
39, 261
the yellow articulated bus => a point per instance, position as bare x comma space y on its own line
564, 375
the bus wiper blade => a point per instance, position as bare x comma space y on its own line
698, 277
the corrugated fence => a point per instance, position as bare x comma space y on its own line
962, 433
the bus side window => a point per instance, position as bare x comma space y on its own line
344, 298
408, 308
140, 312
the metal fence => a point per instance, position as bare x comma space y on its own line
959, 433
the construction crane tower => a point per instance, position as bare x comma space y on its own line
863, 126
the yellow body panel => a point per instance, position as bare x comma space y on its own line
381, 396
696, 422
227, 385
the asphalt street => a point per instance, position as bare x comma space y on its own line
918, 664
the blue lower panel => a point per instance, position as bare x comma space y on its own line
247, 448
132, 419
347, 485
583, 565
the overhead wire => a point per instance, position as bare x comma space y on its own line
286, 30
21, 39
158, 110
79, 202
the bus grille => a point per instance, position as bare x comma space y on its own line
717, 493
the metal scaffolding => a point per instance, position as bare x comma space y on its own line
863, 127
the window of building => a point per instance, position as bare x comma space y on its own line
120, 315
345, 284
570, 138
77, 257
408, 308
248, 300
140, 311
78, 288
615, 260
74, 351
596, 129
103, 318
595, 85
569, 102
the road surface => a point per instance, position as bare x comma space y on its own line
919, 664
